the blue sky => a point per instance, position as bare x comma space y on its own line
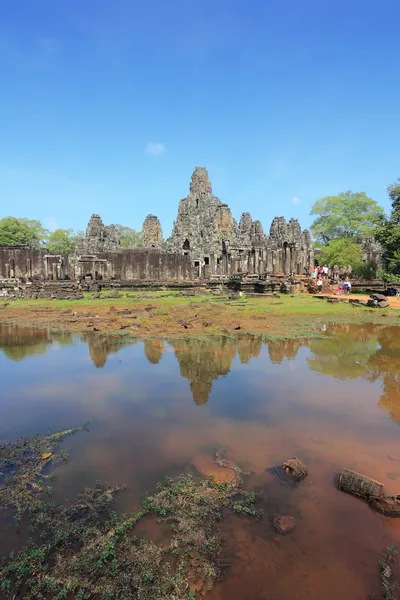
107, 106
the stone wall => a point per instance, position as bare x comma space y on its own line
136, 264
21, 262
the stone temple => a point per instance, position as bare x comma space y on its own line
206, 243
206, 231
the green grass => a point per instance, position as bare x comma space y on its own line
291, 316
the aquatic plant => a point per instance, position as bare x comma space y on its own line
86, 550
23, 466
388, 585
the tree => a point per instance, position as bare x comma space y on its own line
62, 241
388, 233
128, 237
341, 252
394, 195
351, 215
22, 231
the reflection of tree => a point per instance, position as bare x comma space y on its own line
385, 365
346, 353
19, 342
365, 351
153, 350
277, 351
100, 348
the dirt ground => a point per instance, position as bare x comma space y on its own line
184, 317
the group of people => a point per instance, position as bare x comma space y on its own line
318, 274
344, 287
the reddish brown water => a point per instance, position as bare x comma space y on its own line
157, 407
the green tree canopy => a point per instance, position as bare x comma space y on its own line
128, 237
341, 252
62, 241
349, 214
21, 231
388, 233
394, 195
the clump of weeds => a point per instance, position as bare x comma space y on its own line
85, 550
23, 469
389, 586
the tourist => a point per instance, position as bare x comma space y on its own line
347, 287
340, 287
325, 271
319, 285
314, 274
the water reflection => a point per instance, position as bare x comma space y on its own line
201, 362
327, 401
18, 343
347, 352
100, 348
153, 350
288, 349
385, 366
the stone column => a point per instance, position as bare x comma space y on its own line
286, 260
293, 266
279, 265
256, 261
269, 260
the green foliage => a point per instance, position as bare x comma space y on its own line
62, 241
389, 586
349, 214
86, 550
128, 237
22, 231
366, 270
388, 234
342, 252
394, 195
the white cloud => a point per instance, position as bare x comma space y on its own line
296, 200
155, 148
50, 223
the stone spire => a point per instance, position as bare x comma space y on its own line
151, 232
200, 184
99, 238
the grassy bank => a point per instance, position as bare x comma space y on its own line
155, 314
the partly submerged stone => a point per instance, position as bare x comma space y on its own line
285, 524
296, 469
46, 455
207, 467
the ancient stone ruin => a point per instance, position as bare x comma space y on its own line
206, 231
206, 243
151, 232
99, 237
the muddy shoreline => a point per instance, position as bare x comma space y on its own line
143, 318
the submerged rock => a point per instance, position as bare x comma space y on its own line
46, 455
285, 524
205, 465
